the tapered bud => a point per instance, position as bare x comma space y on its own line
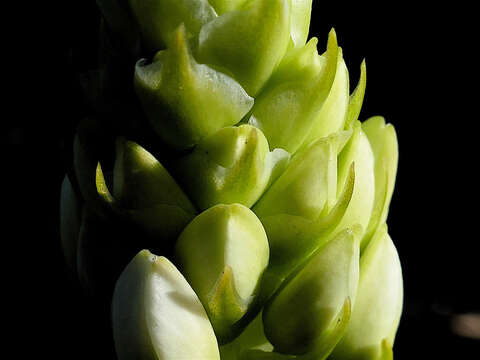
70, 220
383, 140
223, 253
158, 19
378, 306
186, 101
286, 110
157, 315
234, 165
304, 205
248, 43
305, 307
145, 190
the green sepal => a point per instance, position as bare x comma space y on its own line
158, 19
313, 296
234, 165
356, 98
223, 253
378, 304
223, 6
186, 101
248, 43
383, 140
156, 314
359, 152
300, 21
286, 110
70, 222
301, 208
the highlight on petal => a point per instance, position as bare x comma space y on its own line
223, 253
185, 101
158, 19
286, 110
157, 315
383, 140
313, 296
300, 21
247, 43
378, 305
234, 165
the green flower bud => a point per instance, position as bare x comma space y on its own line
157, 315
248, 43
158, 19
302, 207
378, 306
306, 306
383, 141
223, 253
147, 192
289, 105
234, 165
186, 101
70, 220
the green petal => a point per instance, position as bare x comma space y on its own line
313, 297
356, 99
357, 151
70, 221
223, 253
157, 315
248, 43
383, 140
234, 165
158, 19
223, 6
378, 305
300, 209
185, 101
300, 21
285, 111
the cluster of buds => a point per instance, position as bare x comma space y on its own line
260, 232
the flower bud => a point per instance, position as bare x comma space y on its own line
300, 21
157, 315
186, 101
234, 165
307, 304
248, 43
223, 253
147, 192
378, 306
302, 207
158, 19
70, 220
287, 108
383, 141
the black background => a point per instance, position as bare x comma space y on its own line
422, 75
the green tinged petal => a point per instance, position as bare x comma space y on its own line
383, 140
223, 253
300, 21
70, 220
185, 101
157, 315
158, 19
313, 297
301, 207
247, 43
286, 110
234, 165
357, 151
378, 305
223, 6
356, 99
